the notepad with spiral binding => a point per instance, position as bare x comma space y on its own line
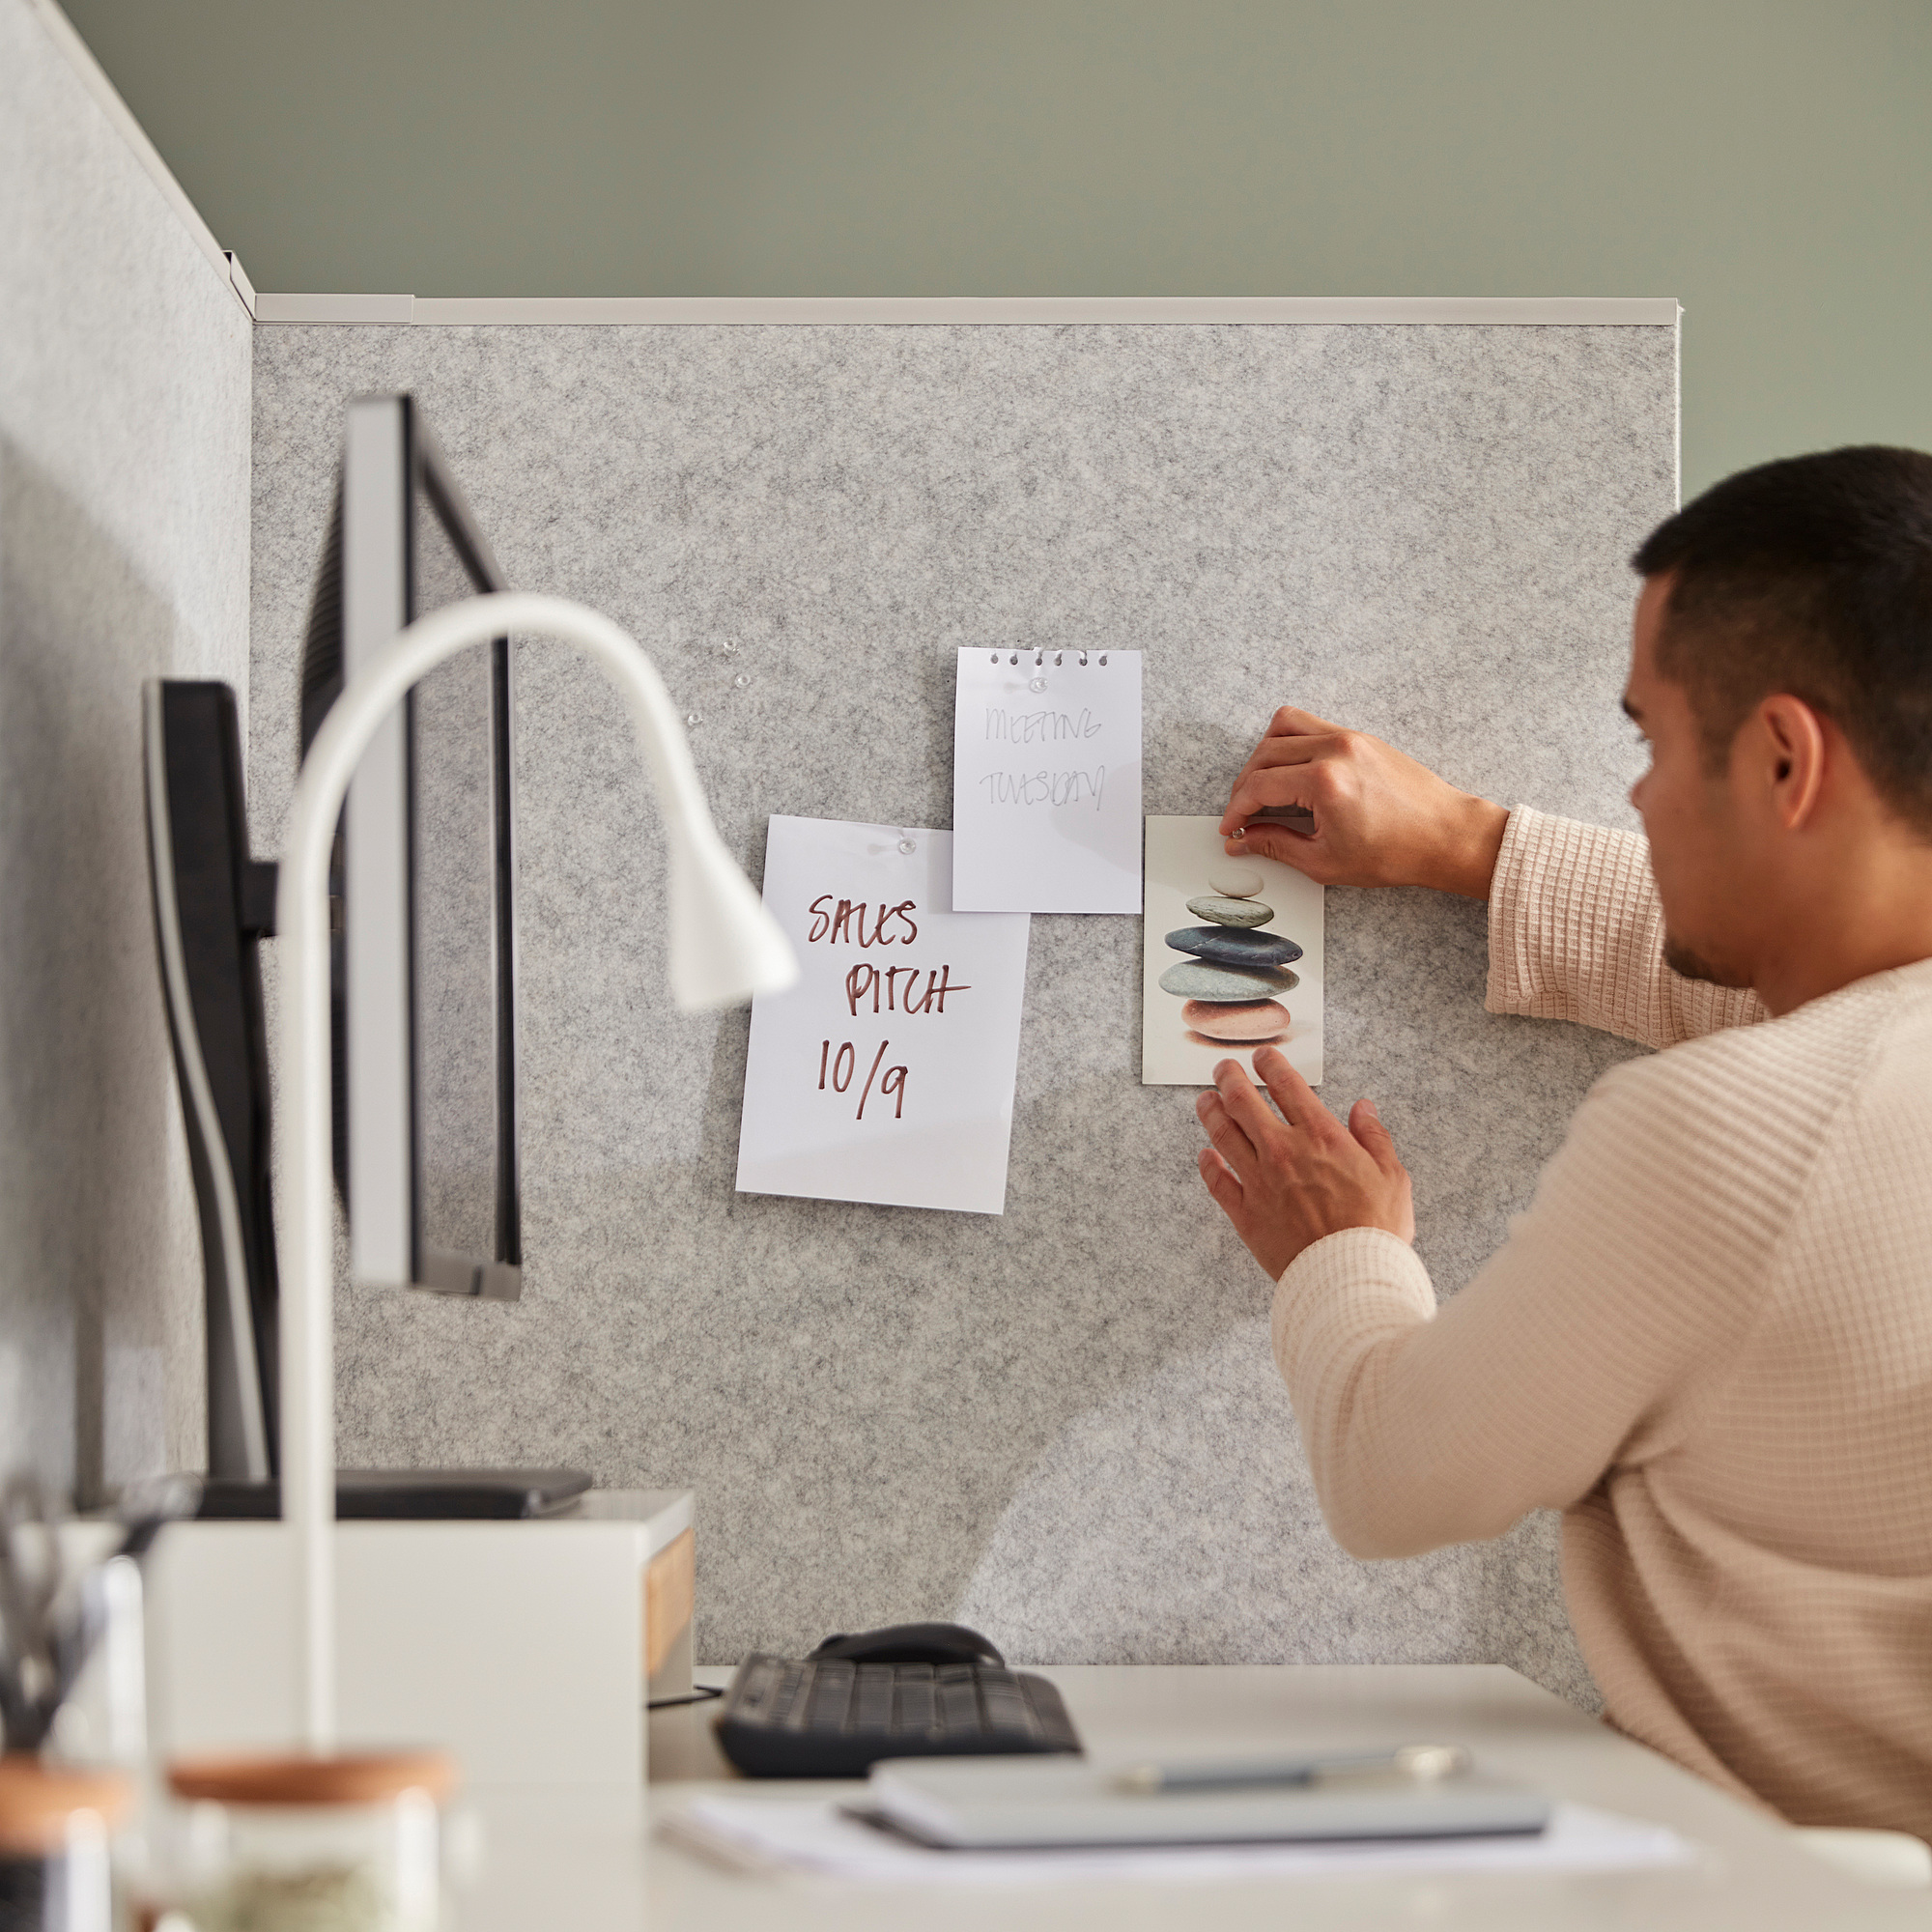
1046, 780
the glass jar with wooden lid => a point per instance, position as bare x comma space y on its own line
55, 1874
344, 1843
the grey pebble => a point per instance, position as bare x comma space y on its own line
1232, 912
1221, 985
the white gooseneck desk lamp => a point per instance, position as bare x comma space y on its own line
724, 946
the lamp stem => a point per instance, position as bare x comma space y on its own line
301, 912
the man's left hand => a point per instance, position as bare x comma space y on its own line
1285, 1180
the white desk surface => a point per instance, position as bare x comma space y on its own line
558, 1860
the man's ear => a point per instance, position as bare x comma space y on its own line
1794, 752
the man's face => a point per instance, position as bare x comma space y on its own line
1696, 851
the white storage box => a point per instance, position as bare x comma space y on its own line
521, 1647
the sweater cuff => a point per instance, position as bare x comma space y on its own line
1362, 1278
1523, 837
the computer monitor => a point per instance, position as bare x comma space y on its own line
212, 906
424, 972
424, 968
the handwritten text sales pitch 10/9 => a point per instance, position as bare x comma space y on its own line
838, 922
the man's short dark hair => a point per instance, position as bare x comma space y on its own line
1812, 575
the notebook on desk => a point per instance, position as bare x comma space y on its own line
1012, 1804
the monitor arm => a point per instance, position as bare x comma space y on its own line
724, 946
259, 880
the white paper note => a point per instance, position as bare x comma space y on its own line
1282, 1003
764, 1834
1047, 781
887, 1073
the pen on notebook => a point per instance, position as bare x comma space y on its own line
1412, 1764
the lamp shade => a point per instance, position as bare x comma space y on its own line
724, 946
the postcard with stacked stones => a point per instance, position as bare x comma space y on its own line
1233, 958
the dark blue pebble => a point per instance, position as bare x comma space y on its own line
1231, 946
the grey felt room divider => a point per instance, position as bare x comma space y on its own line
1063, 1425
125, 368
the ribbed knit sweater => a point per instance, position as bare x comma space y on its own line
1708, 1342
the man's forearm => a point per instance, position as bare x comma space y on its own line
1425, 1427
1472, 835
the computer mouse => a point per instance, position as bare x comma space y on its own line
912, 1643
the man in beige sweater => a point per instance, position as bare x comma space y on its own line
1709, 1339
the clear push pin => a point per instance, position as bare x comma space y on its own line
729, 646
743, 678
694, 717
908, 844
1036, 683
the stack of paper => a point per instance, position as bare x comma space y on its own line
814, 1835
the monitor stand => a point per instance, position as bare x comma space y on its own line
419, 1495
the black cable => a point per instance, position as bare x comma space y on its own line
701, 1693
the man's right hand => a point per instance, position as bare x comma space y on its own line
1378, 818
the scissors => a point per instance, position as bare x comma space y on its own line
44, 1639
30, 1585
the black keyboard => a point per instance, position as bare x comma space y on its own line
827, 1717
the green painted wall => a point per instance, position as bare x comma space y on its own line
1767, 162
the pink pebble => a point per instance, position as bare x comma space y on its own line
1260, 1021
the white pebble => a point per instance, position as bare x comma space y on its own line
1236, 883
